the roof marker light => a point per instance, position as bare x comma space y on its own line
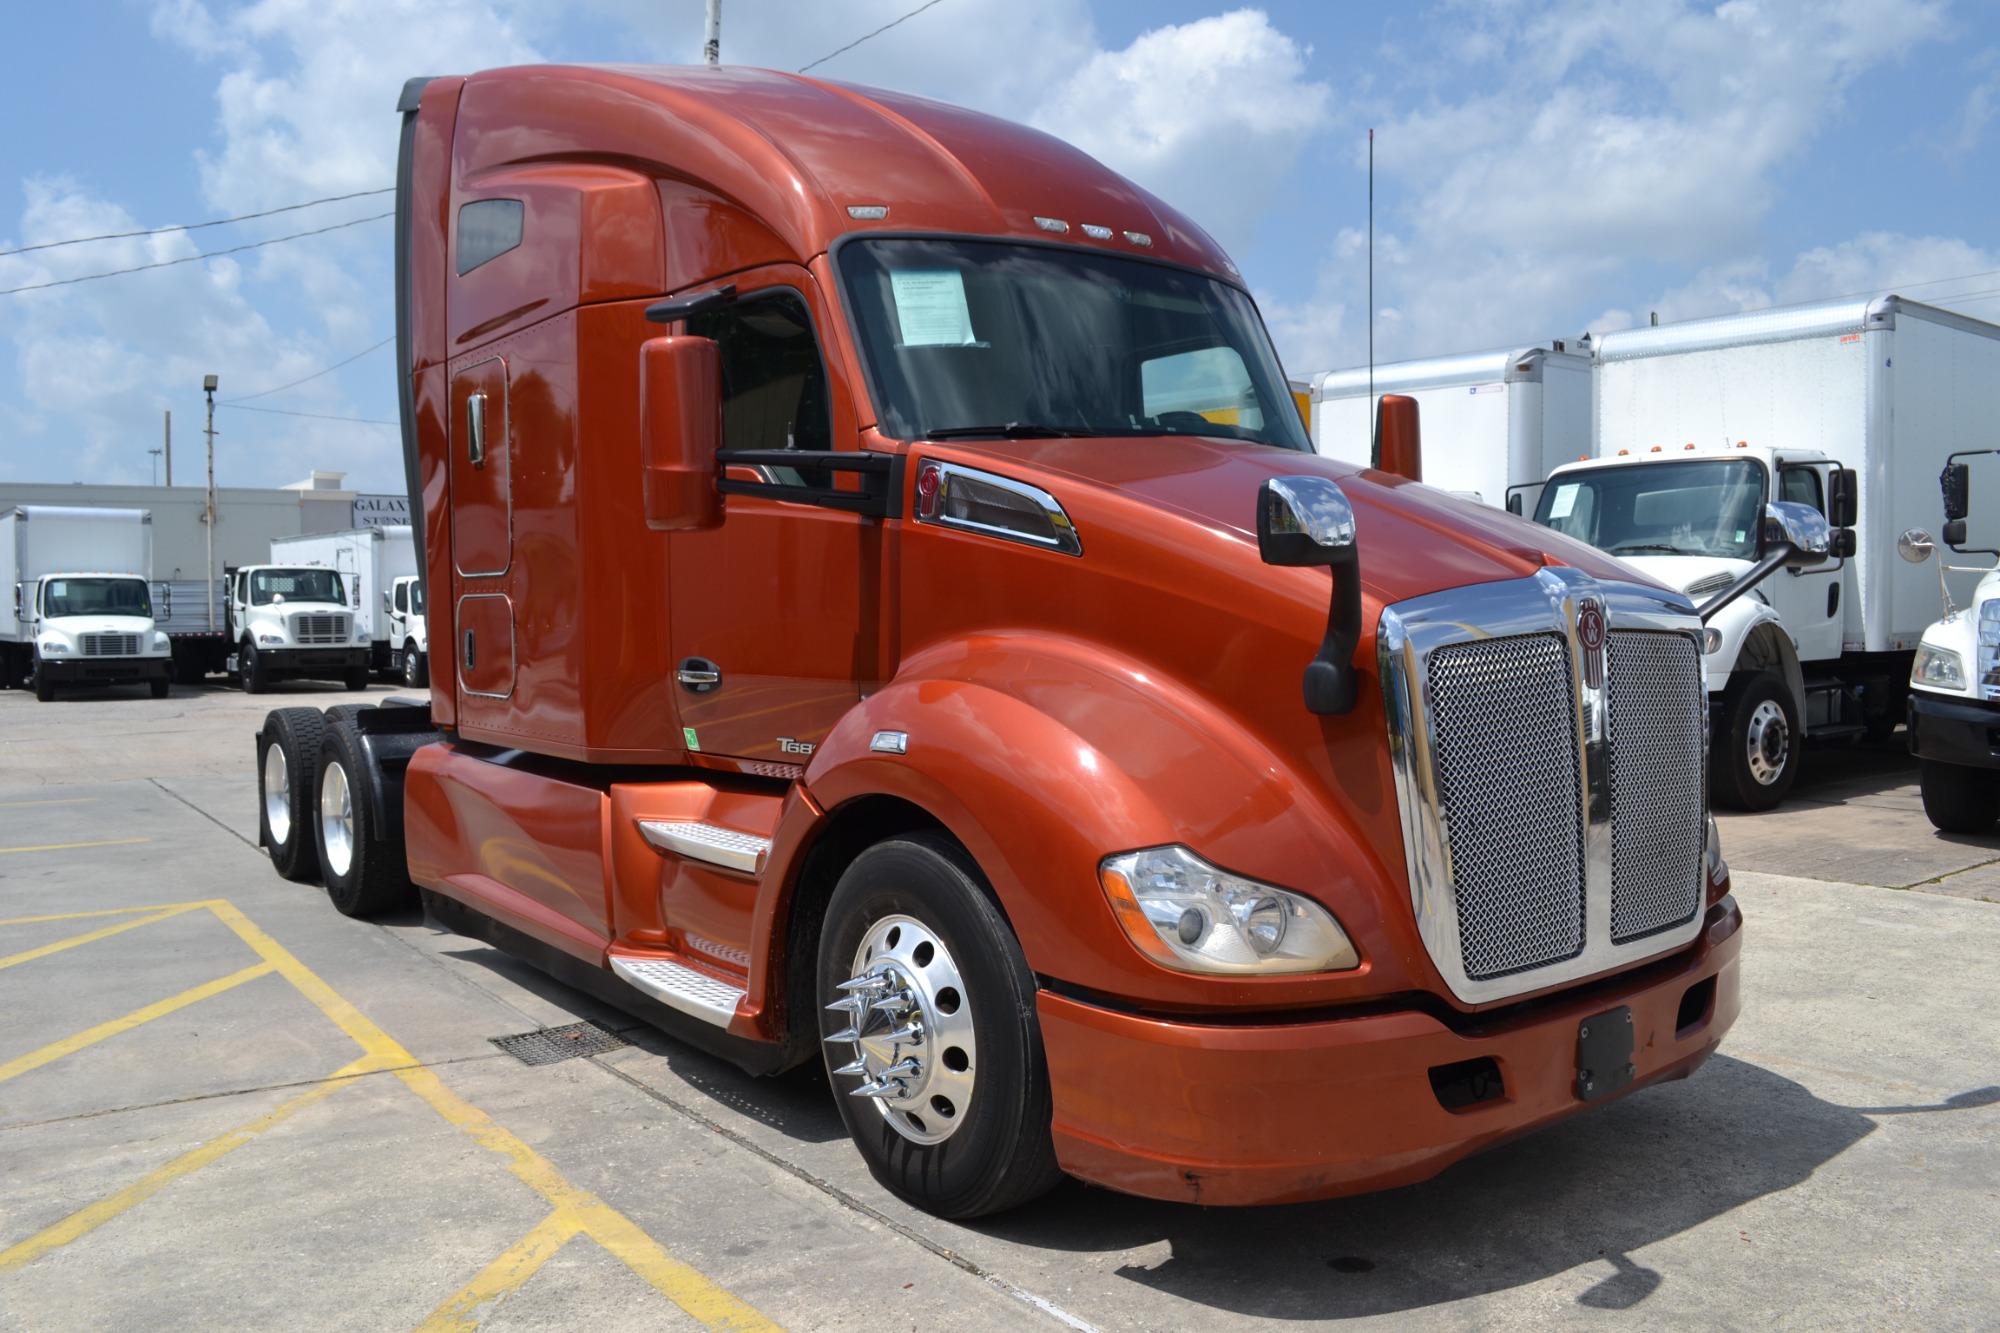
1052, 224
1658, 447
1095, 232
1687, 446
1139, 238
1623, 452
868, 212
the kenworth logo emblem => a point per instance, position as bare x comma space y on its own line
1590, 632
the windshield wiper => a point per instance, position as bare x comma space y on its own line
1013, 430
1646, 546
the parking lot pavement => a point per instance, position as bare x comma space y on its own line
223, 1105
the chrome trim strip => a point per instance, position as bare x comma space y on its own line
712, 843
1066, 539
1546, 602
696, 994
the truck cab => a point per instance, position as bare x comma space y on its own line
295, 622
1691, 519
1954, 704
409, 630
91, 629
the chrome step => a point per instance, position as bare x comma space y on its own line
696, 994
725, 847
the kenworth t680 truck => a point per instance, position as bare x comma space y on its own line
887, 611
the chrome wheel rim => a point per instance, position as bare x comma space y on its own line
336, 818
410, 667
908, 1035
278, 794
1768, 742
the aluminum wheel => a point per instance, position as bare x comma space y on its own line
336, 818
1768, 741
277, 793
909, 1024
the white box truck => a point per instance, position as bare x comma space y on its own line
1954, 708
409, 631
1495, 423
82, 609
369, 561
1700, 424
296, 622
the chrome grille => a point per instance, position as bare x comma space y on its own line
110, 645
1503, 719
1657, 798
320, 629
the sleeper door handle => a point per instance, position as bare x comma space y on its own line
475, 430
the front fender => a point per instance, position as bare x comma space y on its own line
1044, 756
1753, 639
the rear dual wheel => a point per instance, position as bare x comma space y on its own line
287, 763
930, 1035
362, 866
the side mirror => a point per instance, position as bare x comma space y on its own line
1800, 527
1398, 440
1915, 546
166, 601
17, 601
1304, 521
1843, 499
388, 602
680, 429
1971, 483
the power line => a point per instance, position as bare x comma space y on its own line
195, 226
265, 393
877, 33
189, 259
317, 416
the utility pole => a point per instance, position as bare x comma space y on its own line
208, 581
711, 49
170, 446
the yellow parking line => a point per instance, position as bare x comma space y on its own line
93, 936
107, 911
67, 800
710, 1303
91, 1036
72, 846
86, 1220
503, 1276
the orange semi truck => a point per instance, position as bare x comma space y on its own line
886, 610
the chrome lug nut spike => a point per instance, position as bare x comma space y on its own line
891, 1003
851, 1006
912, 1033
850, 1070
845, 1034
905, 1068
878, 1088
872, 982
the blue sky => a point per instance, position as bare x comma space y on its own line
1542, 168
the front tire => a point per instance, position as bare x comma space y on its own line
933, 1045
159, 687
416, 668
287, 762
45, 689
357, 679
1755, 755
363, 869
1958, 799
256, 675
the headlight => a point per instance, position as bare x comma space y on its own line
1185, 914
271, 638
1711, 641
160, 644
53, 647
1716, 868
1938, 666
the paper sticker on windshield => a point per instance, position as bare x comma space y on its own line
930, 305
1565, 499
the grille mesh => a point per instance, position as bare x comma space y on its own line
320, 629
1503, 738
1657, 829
110, 645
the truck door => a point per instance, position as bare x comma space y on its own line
1809, 600
776, 616
482, 528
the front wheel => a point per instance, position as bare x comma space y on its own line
357, 679
1958, 799
159, 687
256, 675
45, 689
929, 1031
1757, 748
416, 668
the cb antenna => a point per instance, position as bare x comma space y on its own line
1374, 433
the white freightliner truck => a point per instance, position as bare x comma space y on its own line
82, 607
369, 561
1495, 423
1954, 706
1699, 424
296, 622
409, 631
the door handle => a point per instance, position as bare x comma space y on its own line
698, 675
475, 430
469, 656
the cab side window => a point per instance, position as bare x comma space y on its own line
774, 393
1801, 485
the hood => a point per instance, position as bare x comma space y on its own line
1412, 538
1708, 573
98, 624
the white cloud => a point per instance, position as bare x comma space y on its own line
1935, 270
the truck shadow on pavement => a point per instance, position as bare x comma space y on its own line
1594, 1190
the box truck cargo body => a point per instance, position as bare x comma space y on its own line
1777, 401
369, 561
1495, 423
80, 609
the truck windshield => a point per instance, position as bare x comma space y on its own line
97, 597
1693, 508
983, 338
295, 585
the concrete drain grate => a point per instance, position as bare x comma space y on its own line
563, 1043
